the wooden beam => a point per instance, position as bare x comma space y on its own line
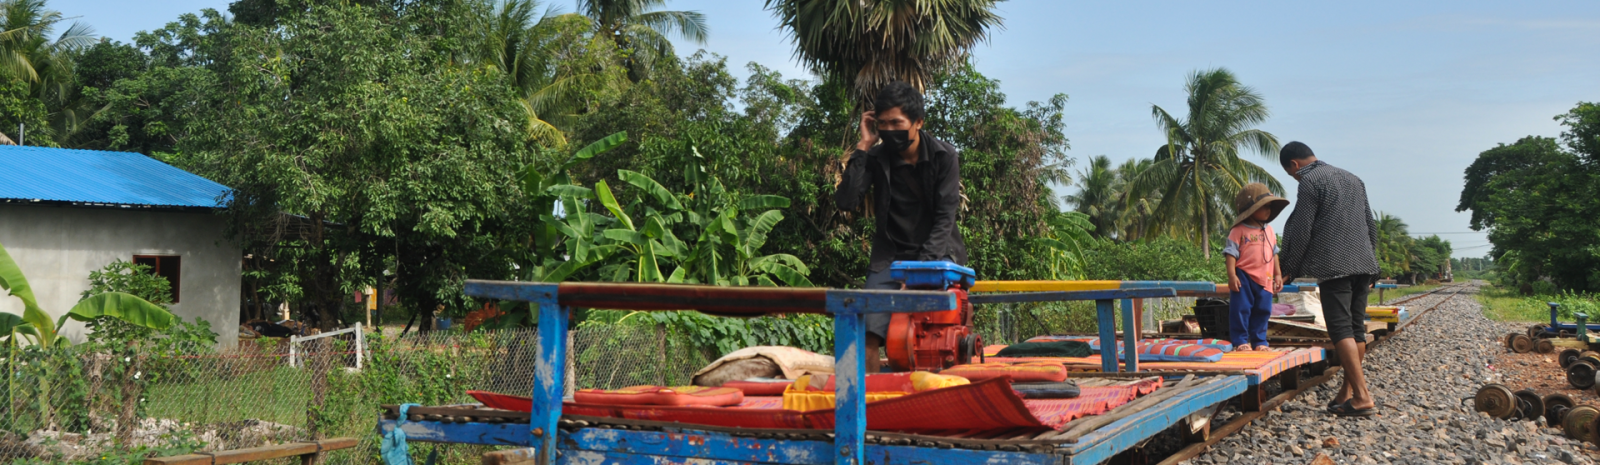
522, 456
256, 453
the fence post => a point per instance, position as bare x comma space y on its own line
361, 346
293, 341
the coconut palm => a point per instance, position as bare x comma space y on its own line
869, 43
1199, 170
1394, 244
29, 54
551, 60
1134, 207
1097, 196
641, 33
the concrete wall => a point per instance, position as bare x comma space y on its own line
57, 247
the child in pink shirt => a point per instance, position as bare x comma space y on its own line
1253, 272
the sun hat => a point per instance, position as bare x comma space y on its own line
1254, 196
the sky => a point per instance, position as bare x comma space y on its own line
1403, 94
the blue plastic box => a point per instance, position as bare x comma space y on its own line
932, 275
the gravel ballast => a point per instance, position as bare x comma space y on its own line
1419, 377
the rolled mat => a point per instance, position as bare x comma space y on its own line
1047, 349
1066, 390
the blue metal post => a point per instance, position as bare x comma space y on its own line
1553, 321
849, 381
549, 374
1130, 336
1106, 313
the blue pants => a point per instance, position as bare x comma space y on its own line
1248, 310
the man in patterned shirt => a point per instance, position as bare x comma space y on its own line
1332, 237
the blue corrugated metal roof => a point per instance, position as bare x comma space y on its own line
99, 177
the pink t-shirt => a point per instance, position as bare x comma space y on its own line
1254, 250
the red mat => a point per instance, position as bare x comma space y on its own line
982, 406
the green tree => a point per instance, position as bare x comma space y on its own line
1536, 200
1199, 169
362, 126
554, 63
640, 31
1098, 196
1394, 245
868, 44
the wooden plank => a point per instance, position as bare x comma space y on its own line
1063, 296
256, 453
1101, 445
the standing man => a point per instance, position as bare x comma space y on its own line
915, 181
1331, 237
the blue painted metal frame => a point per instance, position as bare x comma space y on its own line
846, 306
1105, 313
1101, 445
848, 446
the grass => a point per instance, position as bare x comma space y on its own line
1391, 294
278, 395
1501, 304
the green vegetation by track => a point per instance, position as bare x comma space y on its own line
1392, 294
1501, 304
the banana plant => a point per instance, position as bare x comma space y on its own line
648, 242
36, 325
1064, 243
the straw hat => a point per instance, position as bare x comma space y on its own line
1254, 196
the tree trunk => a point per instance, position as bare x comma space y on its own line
128, 418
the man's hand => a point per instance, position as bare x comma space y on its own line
869, 131
1233, 282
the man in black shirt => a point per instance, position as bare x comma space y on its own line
916, 193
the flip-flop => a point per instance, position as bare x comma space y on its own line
1345, 410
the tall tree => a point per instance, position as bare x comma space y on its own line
1199, 170
554, 62
1098, 196
1394, 245
29, 54
640, 31
869, 43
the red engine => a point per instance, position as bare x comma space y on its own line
934, 341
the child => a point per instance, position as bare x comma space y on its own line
1253, 272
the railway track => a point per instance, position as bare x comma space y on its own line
1238, 423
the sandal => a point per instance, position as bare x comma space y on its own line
1345, 410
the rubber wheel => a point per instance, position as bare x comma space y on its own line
1532, 405
1579, 423
1522, 344
1495, 400
1581, 375
1567, 357
967, 349
1544, 346
1556, 406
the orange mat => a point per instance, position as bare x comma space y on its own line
1259, 364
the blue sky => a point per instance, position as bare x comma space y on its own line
1404, 94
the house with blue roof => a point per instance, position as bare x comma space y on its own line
65, 213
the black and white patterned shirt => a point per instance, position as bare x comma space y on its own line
1331, 233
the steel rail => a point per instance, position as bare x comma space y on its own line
1238, 423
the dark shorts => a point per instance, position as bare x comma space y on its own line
878, 323
1344, 305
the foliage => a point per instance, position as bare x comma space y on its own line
872, 43
1153, 259
1535, 199
640, 34
1198, 171
1105, 193
365, 132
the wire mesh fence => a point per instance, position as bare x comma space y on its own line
75, 405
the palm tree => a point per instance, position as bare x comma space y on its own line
1394, 243
640, 32
1199, 170
869, 43
28, 54
1135, 207
1097, 196
549, 59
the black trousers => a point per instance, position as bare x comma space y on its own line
1344, 305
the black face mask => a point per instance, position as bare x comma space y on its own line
898, 140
